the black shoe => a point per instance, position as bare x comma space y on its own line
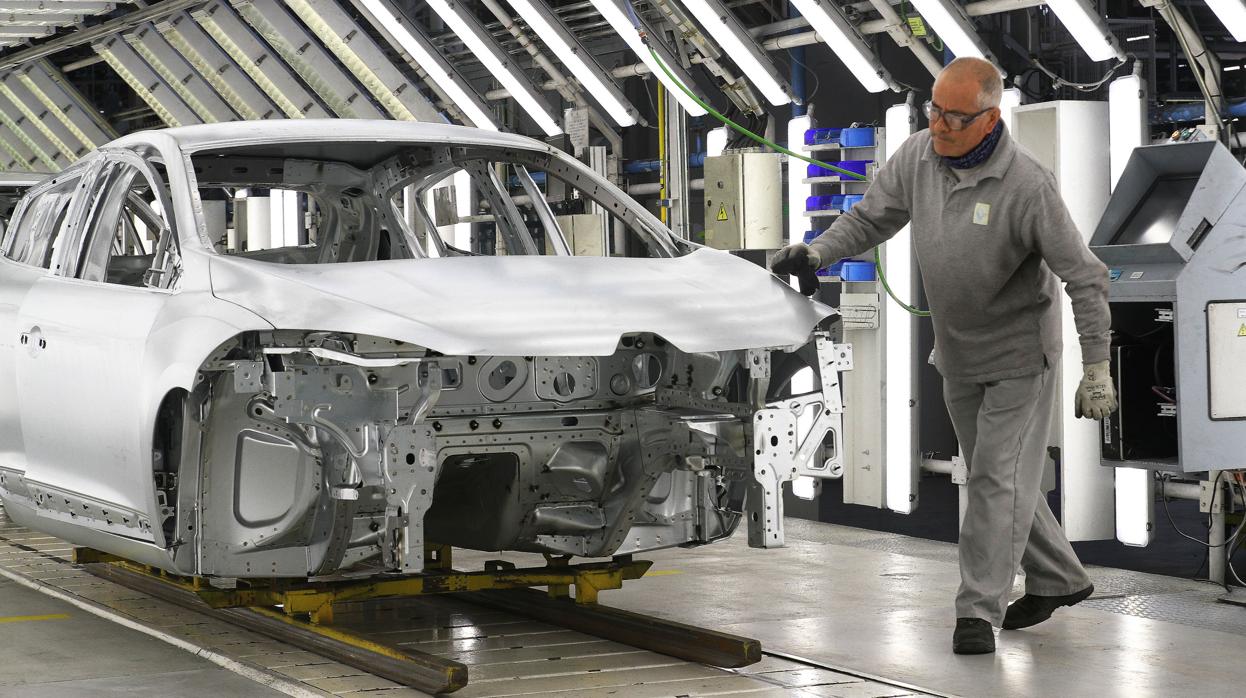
973, 636
1033, 609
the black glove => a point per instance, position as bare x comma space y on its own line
801, 261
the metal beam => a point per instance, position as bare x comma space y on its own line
179, 75
25, 31
39, 116
45, 152
54, 90
145, 82
40, 18
56, 7
258, 61
217, 68
93, 34
21, 158
308, 58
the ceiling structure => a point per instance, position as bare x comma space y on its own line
515, 64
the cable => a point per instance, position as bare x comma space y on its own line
878, 262
1214, 491
778, 148
1058, 81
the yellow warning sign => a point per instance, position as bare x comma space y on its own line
1242, 332
722, 216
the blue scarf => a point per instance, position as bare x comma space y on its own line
981, 152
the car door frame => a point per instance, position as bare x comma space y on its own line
88, 456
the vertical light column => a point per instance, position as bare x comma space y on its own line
1134, 489
902, 464
716, 142
1127, 120
797, 190
1010, 99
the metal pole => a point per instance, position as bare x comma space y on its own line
1216, 557
676, 167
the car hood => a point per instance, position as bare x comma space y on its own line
529, 306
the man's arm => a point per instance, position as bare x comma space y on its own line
1055, 237
877, 217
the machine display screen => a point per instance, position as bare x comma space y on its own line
1154, 219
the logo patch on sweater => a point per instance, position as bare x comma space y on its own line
982, 214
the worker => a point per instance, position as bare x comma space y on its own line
990, 229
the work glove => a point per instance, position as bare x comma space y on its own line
1096, 396
801, 261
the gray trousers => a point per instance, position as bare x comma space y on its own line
1002, 427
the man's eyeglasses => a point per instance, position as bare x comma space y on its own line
954, 120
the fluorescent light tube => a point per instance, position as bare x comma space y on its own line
724, 29
846, 44
1232, 14
951, 26
1087, 28
623, 26
430, 63
487, 52
567, 48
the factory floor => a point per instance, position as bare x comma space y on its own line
870, 604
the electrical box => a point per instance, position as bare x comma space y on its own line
744, 201
1226, 356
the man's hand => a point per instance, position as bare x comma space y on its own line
1096, 396
801, 261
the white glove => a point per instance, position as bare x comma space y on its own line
1096, 396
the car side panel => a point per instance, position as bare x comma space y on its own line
15, 282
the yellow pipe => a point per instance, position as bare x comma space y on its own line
662, 152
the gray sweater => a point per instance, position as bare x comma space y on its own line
987, 246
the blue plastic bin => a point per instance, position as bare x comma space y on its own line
819, 203
850, 200
822, 136
858, 166
856, 137
856, 270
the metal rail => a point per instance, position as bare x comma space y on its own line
306, 610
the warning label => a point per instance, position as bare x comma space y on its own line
722, 216
1242, 332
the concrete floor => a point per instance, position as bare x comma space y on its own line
49, 648
868, 603
881, 604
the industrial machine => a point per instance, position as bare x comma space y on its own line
1174, 239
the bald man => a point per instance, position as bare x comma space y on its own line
990, 229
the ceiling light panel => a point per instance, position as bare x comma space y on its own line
624, 24
365, 59
567, 48
216, 68
845, 43
302, 52
145, 82
179, 75
725, 29
462, 21
254, 57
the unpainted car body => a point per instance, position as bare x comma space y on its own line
329, 406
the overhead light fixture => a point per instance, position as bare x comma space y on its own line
1232, 14
953, 27
551, 30
1088, 29
1232, 68
1127, 121
622, 25
408, 38
901, 463
845, 43
740, 47
1137, 38
463, 23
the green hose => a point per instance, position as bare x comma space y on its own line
778, 148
